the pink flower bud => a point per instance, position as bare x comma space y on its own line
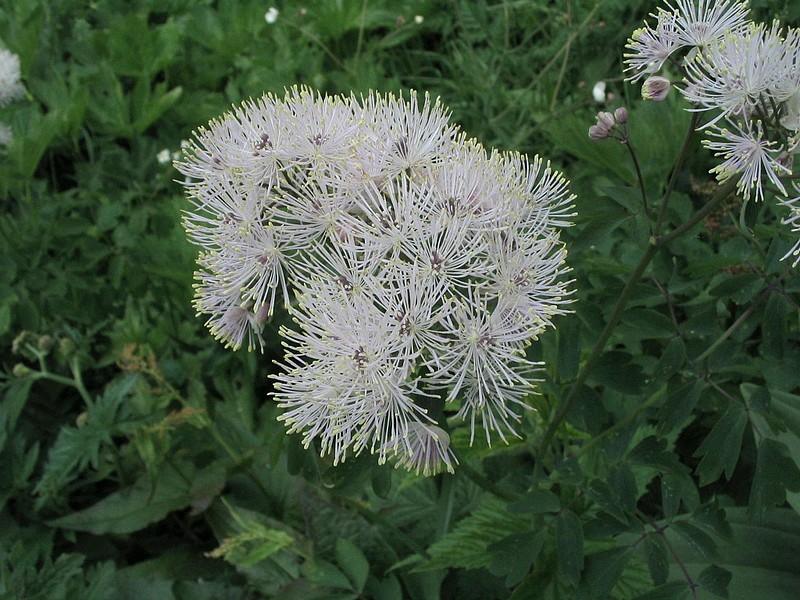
656, 88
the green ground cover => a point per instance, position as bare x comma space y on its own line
141, 459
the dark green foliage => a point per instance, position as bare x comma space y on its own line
139, 459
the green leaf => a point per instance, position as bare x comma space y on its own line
652, 323
535, 502
569, 546
720, 450
604, 495
657, 558
762, 557
776, 473
133, 508
699, 540
466, 545
715, 579
674, 590
353, 562
514, 555
740, 288
602, 571
678, 406
773, 327
325, 574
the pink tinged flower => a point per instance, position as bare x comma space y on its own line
536, 198
528, 281
656, 88
748, 155
650, 48
426, 450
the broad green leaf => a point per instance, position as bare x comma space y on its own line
699, 540
674, 590
353, 562
715, 579
514, 555
657, 558
569, 546
773, 327
678, 406
535, 502
602, 571
720, 450
762, 557
652, 323
321, 572
133, 508
466, 545
604, 495
776, 473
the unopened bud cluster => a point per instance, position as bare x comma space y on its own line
417, 265
610, 125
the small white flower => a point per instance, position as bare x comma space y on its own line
164, 156
687, 24
271, 16
10, 87
749, 154
418, 19
599, 92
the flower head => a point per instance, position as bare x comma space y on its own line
417, 265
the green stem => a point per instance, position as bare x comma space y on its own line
673, 179
742, 318
639, 178
446, 499
622, 302
701, 214
483, 482
629, 418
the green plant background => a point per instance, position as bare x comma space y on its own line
139, 459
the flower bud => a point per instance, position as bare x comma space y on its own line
45, 343
656, 88
66, 347
606, 119
598, 133
621, 115
21, 370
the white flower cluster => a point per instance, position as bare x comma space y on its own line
746, 75
421, 266
10, 88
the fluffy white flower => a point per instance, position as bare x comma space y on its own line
687, 24
418, 266
746, 74
10, 87
749, 155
